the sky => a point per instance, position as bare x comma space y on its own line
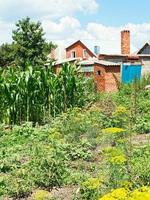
95, 22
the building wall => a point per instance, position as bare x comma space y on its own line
78, 48
109, 79
145, 66
112, 78
99, 79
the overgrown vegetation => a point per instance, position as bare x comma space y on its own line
56, 133
95, 149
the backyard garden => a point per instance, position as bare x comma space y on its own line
62, 140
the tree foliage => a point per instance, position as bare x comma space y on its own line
29, 45
7, 54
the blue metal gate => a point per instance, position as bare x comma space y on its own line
130, 72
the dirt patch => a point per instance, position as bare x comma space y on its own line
141, 139
65, 193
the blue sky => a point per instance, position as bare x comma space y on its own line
95, 22
119, 12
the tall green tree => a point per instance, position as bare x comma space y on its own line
31, 46
7, 54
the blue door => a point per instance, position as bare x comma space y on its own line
130, 73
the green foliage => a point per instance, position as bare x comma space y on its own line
89, 189
28, 46
80, 151
23, 166
31, 46
97, 140
7, 54
36, 94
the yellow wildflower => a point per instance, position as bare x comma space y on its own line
120, 193
92, 183
41, 195
120, 110
125, 194
113, 130
118, 159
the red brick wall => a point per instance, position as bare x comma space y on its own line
112, 78
109, 79
125, 42
99, 79
78, 48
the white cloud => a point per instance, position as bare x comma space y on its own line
69, 29
5, 32
61, 26
16, 9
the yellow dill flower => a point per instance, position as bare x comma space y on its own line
120, 193
117, 194
124, 194
41, 195
107, 197
118, 159
120, 110
145, 189
141, 194
92, 183
113, 130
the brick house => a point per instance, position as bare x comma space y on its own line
141, 57
79, 50
107, 70
106, 74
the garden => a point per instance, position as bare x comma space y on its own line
59, 139
62, 140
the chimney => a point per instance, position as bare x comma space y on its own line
125, 42
97, 50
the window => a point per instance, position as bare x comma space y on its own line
73, 54
99, 73
84, 53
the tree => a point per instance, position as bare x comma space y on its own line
7, 54
31, 46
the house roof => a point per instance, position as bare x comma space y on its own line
59, 62
79, 41
100, 62
108, 63
141, 50
121, 57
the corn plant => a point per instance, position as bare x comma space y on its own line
36, 93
